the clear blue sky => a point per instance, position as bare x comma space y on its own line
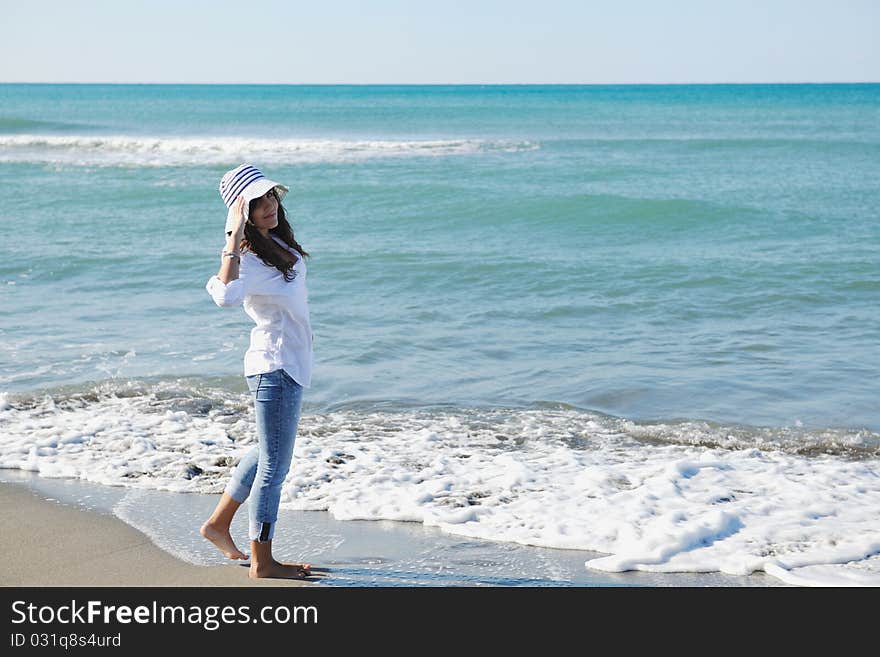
440, 41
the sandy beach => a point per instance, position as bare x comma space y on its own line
64, 532
98, 550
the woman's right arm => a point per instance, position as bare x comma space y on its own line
229, 267
226, 288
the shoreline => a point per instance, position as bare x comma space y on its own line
98, 550
64, 528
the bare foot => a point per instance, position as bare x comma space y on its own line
280, 570
305, 567
223, 540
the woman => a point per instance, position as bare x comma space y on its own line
263, 268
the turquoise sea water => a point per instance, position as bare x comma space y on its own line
635, 320
650, 252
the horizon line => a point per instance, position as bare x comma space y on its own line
443, 84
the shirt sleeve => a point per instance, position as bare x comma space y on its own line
254, 277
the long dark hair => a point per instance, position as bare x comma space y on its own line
264, 247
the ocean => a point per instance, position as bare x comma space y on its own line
641, 321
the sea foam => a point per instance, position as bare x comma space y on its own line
147, 151
549, 477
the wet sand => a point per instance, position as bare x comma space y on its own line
47, 543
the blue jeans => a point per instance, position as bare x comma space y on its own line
277, 404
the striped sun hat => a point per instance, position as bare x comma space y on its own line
248, 181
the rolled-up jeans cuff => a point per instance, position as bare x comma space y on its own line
261, 532
236, 491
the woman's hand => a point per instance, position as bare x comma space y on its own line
239, 219
231, 255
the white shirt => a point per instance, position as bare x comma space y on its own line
282, 338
